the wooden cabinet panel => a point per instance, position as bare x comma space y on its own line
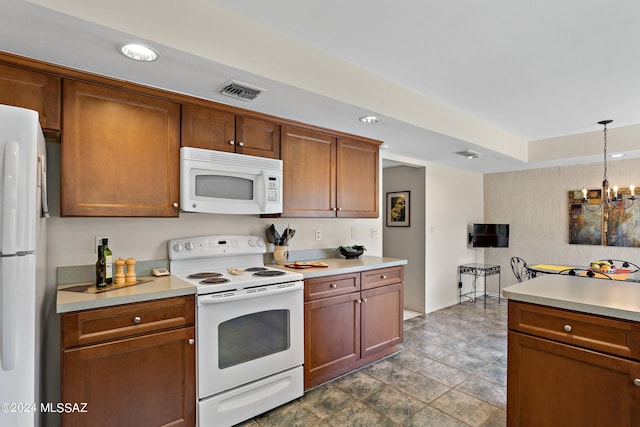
120, 153
329, 286
257, 137
207, 128
553, 384
381, 319
32, 90
357, 179
143, 381
104, 324
612, 336
309, 173
345, 329
382, 276
220, 130
332, 335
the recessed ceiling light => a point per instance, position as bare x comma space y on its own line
616, 156
139, 52
370, 119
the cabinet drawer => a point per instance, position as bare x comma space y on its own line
104, 324
324, 287
382, 276
612, 336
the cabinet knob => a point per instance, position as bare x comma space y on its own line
232, 142
175, 205
383, 277
191, 341
241, 144
333, 286
339, 209
636, 382
359, 301
137, 319
364, 300
567, 328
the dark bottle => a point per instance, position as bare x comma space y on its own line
108, 259
101, 269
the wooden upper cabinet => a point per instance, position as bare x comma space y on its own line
220, 130
35, 91
357, 178
328, 177
120, 153
309, 173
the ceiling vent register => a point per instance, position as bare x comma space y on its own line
469, 154
241, 91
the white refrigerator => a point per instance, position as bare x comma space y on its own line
23, 209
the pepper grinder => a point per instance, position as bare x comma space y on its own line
131, 270
119, 278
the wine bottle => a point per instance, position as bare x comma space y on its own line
101, 269
108, 259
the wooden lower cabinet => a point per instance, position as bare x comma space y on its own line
139, 380
553, 383
346, 331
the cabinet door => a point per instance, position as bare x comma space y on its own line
357, 179
332, 337
257, 137
553, 384
144, 381
120, 153
208, 128
309, 173
381, 318
32, 90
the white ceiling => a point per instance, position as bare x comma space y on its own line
493, 76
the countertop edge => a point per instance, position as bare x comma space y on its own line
344, 266
167, 288
579, 294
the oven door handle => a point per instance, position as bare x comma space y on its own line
223, 297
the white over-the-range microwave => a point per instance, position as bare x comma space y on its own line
228, 183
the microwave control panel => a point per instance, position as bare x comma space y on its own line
273, 189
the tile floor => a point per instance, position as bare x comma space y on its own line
451, 370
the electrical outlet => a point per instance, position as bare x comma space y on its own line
354, 232
99, 242
374, 233
318, 234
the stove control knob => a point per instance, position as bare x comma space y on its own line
251, 243
189, 246
260, 243
178, 247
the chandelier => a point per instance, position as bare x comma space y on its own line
607, 199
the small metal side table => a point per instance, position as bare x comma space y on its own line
477, 270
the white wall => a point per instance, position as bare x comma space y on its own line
454, 200
535, 204
408, 242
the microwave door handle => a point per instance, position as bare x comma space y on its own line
265, 189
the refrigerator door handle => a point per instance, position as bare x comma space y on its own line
10, 306
42, 160
10, 199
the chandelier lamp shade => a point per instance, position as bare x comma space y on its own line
611, 197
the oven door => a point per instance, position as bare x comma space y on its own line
243, 338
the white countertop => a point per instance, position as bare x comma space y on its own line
344, 266
156, 288
611, 298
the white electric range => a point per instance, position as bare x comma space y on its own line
250, 326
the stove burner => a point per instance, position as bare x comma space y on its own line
214, 281
269, 273
255, 269
203, 275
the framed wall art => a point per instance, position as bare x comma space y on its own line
398, 211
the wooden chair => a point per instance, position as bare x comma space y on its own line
520, 269
587, 273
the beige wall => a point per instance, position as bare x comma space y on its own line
408, 242
535, 204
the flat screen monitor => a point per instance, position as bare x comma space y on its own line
490, 236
